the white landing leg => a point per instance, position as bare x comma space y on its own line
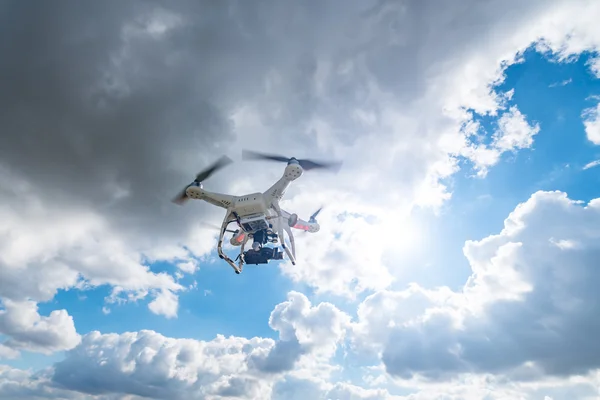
222, 255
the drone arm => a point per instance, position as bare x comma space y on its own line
276, 192
216, 199
301, 224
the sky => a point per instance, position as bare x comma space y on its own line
457, 256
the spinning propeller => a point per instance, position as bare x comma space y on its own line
314, 215
203, 175
305, 164
293, 219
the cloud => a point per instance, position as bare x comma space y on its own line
591, 122
594, 65
165, 303
513, 133
189, 267
59, 247
138, 103
148, 364
303, 330
113, 109
343, 240
525, 312
47, 246
8, 352
591, 164
523, 324
561, 83
22, 384
26, 329
353, 392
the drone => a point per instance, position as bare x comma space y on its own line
258, 216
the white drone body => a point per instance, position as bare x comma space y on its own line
258, 215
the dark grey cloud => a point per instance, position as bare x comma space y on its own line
22, 384
75, 138
240, 387
281, 358
291, 388
91, 107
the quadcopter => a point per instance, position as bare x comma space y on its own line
258, 216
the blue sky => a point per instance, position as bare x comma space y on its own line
407, 288
479, 206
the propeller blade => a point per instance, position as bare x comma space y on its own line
309, 164
304, 163
181, 197
254, 155
217, 165
314, 215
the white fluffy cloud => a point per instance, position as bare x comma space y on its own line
47, 247
346, 256
304, 330
591, 164
165, 303
513, 133
319, 328
522, 326
526, 312
148, 364
591, 121
26, 329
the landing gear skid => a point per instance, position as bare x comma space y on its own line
223, 256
